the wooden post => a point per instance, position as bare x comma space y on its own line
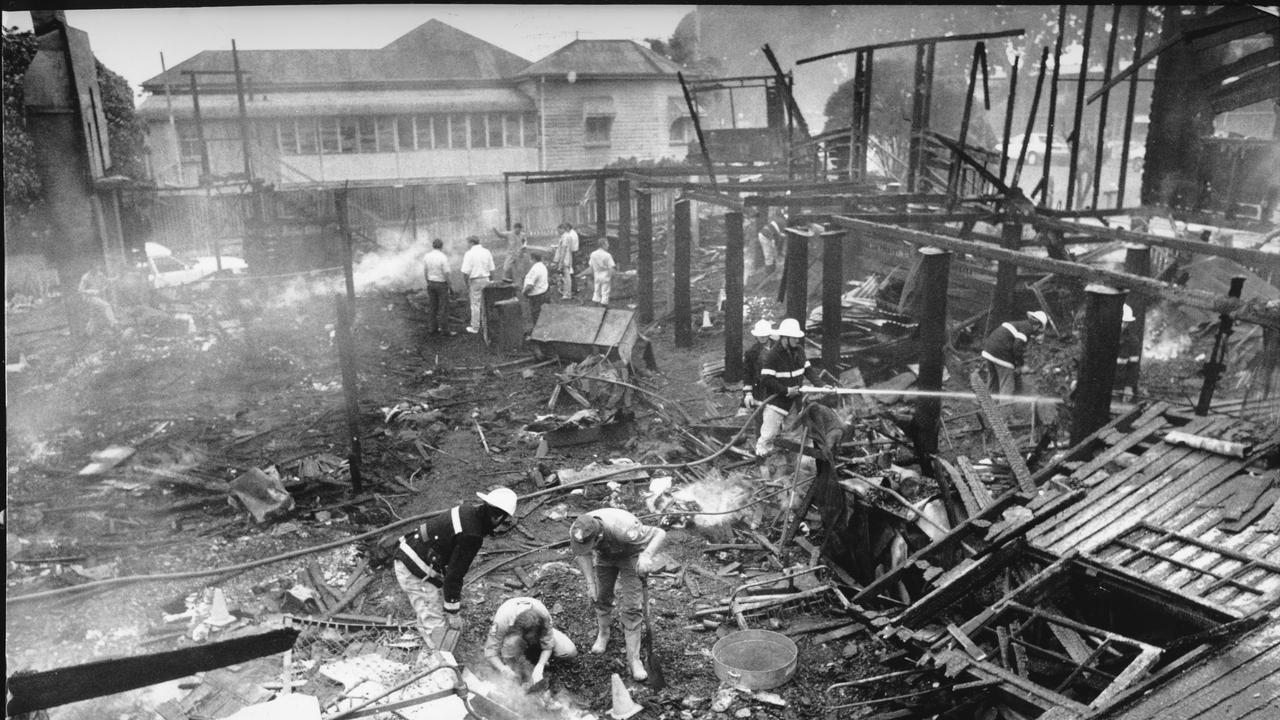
602, 208
506, 199
1104, 307
797, 276
1008, 119
1002, 301
1050, 128
1079, 113
1216, 364
205, 170
347, 357
935, 266
622, 249
1128, 111
682, 302
832, 285
244, 112
1137, 261
644, 256
1102, 106
953, 171
921, 97
1026, 137
733, 259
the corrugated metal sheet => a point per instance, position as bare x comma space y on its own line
432, 51
602, 58
1159, 518
357, 102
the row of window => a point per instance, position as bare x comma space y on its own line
392, 133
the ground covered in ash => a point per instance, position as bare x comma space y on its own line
230, 383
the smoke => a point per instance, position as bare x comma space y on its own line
507, 692
719, 498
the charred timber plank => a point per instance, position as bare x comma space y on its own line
971, 505
1256, 511
1125, 444
1028, 690
952, 538
995, 418
1244, 256
61, 686
1099, 476
1247, 311
1247, 492
1140, 666
979, 489
1116, 500
1089, 441
1038, 585
966, 580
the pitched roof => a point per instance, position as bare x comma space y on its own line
597, 58
433, 51
342, 102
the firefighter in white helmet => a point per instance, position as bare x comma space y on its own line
431, 561
784, 370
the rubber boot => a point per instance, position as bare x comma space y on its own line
633, 655
602, 636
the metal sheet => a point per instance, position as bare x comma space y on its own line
573, 332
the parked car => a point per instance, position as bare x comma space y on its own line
1036, 147
164, 269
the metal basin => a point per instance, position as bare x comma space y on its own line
755, 659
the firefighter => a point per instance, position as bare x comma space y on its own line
1005, 351
752, 391
783, 371
1128, 357
624, 551
431, 562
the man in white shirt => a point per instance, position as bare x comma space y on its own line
563, 258
537, 285
436, 271
477, 266
602, 267
517, 247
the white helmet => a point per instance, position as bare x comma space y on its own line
1038, 316
503, 498
790, 327
762, 329
1128, 314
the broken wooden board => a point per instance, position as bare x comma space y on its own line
1269, 498
995, 418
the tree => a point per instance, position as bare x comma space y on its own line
682, 49
891, 98
124, 130
21, 182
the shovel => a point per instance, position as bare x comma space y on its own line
656, 680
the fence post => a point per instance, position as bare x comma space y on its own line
602, 208
1103, 309
935, 268
622, 255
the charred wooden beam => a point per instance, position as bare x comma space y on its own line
602, 207
1216, 364
1102, 111
935, 265
682, 259
51, 688
1050, 127
917, 41
1075, 140
644, 257
832, 286
1254, 312
1244, 256
733, 267
1103, 309
1129, 106
622, 251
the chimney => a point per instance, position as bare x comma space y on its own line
42, 21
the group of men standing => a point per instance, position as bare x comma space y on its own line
478, 269
613, 548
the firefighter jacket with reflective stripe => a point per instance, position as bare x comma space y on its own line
1007, 345
784, 368
440, 551
751, 360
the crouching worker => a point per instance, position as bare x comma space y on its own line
521, 641
432, 561
624, 550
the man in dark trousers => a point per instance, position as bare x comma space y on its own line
1128, 357
1005, 351
436, 271
752, 392
536, 285
431, 562
784, 370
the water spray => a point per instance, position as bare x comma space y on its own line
810, 390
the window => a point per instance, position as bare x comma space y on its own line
598, 129
597, 120
440, 131
681, 131
307, 143
511, 130
530, 130
288, 137
495, 130
386, 134
458, 132
330, 135
348, 132
404, 130
368, 134
422, 124
188, 142
479, 138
